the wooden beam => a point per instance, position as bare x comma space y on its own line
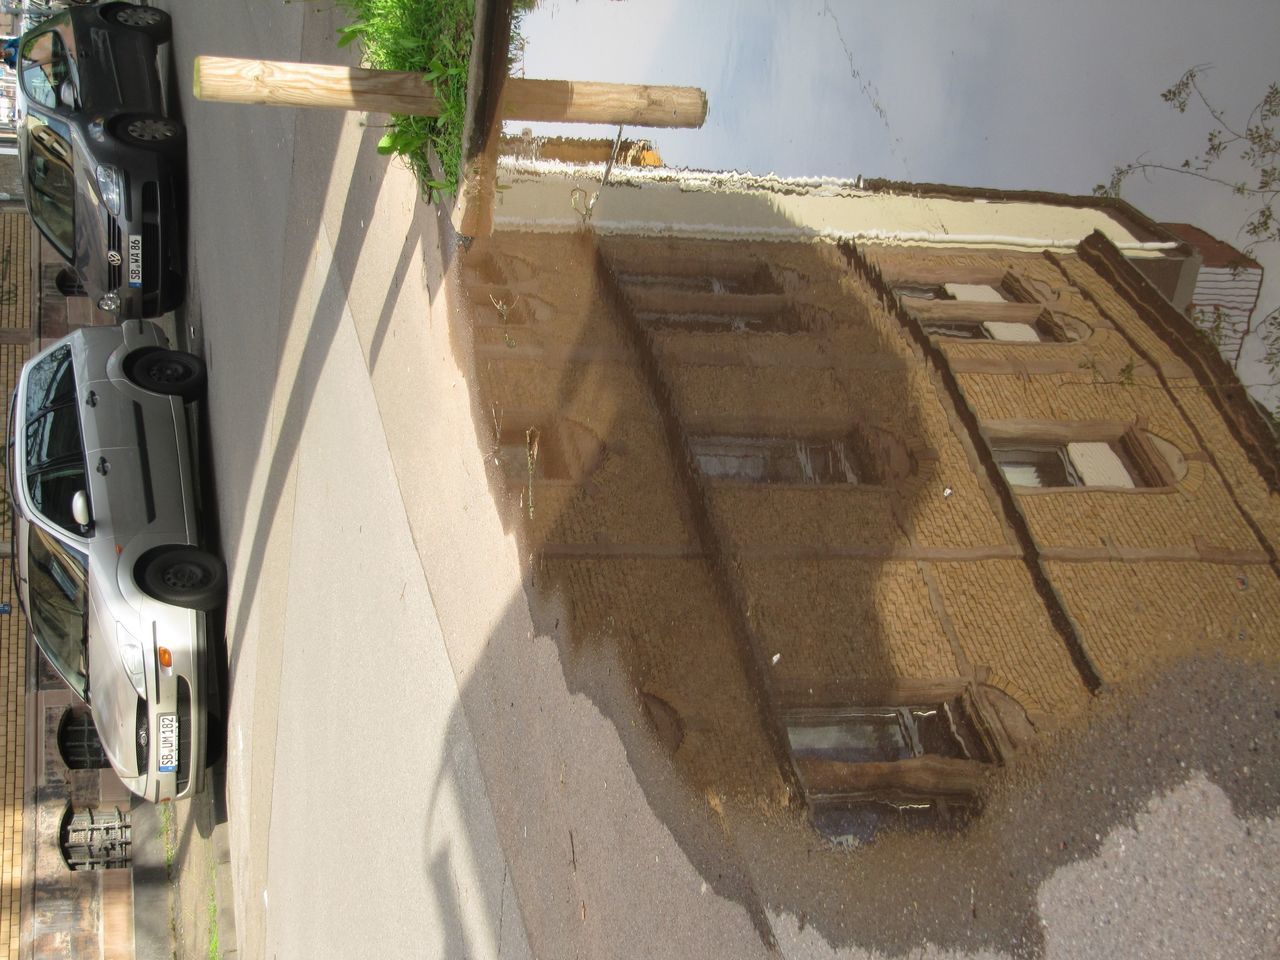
233, 80
616, 104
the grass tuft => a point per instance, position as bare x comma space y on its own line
432, 37
214, 952
168, 836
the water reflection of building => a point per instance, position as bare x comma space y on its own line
1227, 284
867, 487
578, 150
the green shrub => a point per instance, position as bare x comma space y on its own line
431, 37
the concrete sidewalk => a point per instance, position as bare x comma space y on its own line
359, 822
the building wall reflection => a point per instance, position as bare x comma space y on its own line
862, 518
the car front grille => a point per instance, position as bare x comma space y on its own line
184, 734
142, 737
114, 270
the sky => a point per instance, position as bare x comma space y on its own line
1032, 94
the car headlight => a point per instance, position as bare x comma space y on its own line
109, 302
109, 187
134, 662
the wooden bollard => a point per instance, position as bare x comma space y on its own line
232, 80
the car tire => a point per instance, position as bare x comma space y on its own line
169, 372
183, 576
152, 21
150, 132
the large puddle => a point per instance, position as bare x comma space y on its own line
931, 538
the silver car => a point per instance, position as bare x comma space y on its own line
110, 574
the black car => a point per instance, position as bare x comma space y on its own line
103, 160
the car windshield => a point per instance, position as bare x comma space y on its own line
51, 184
58, 601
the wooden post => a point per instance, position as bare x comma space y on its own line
615, 104
232, 80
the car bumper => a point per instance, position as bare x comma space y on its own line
177, 701
144, 260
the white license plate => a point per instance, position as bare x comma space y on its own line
167, 747
135, 260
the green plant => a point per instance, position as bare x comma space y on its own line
431, 37
215, 952
167, 836
1124, 376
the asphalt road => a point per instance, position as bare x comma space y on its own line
409, 773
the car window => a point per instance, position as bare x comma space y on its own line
51, 382
53, 439
52, 490
51, 185
58, 601
54, 445
44, 66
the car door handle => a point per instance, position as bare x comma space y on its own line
91, 400
103, 466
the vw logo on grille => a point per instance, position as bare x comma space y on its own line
113, 258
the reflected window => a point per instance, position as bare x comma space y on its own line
1092, 463
51, 187
956, 330
857, 738
79, 743
58, 603
779, 460
976, 292
94, 838
534, 449
968, 292
1036, 465
530, 453
883, 734
55, 469
1002, 331
45, 65
921, 291
1008, 290
865, 768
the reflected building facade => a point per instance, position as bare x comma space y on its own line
868, 486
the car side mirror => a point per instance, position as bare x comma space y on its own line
80, 509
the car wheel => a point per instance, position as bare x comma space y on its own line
170, 372
152, 132
183, 576
150, 20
